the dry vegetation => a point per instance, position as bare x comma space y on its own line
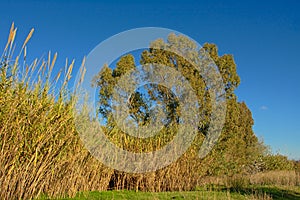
276, 178
40, 149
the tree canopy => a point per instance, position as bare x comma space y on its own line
238, 149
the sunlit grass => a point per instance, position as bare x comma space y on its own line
40, 149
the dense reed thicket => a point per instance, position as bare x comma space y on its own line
40, 149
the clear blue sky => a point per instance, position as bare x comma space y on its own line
263, 36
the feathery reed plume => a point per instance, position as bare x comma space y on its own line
82, 70
53, 62
28, 37
57, 76
10, 36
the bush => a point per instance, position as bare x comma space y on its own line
277, 162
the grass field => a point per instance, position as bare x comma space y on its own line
254, 192
277, 185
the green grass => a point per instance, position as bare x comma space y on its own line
253, 192
278, 193
156, 195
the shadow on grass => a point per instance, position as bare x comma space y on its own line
274, 192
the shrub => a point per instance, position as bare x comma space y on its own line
277, 162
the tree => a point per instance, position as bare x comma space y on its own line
237, 148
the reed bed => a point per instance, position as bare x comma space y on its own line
41, 152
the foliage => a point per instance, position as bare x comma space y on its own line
238, 147
277, 162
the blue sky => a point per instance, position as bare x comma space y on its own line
263, 36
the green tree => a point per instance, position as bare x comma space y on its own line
238, 147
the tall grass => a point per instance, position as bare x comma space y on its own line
40, 149
278, 178
275, 178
